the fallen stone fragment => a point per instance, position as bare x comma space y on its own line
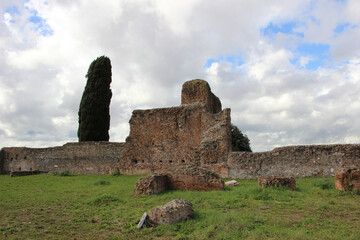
268, 181
172, 212
348, 178
142, 220
232, 183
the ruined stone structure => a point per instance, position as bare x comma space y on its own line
196, 133
186, 179
348, 178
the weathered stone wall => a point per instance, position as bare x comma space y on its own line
196, 133
80, 158
163, 139
298, 161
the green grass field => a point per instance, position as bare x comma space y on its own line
84, 207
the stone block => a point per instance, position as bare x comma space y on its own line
268, 181
348, 179
172, 212
151, 184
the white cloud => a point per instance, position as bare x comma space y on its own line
155, 46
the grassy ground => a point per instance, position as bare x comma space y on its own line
73, 207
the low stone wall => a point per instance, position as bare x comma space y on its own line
104, 157
297, 161
79, 158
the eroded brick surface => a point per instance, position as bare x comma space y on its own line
185, 179
268, 181
152, 184
347, 178
191, 179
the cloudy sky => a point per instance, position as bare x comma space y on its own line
289, 70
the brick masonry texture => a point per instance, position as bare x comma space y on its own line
269, 181
348, 178
186, 179
195, 134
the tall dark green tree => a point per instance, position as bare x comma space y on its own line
239, 141
94, 113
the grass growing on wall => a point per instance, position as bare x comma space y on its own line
51, 207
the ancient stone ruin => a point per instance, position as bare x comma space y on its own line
196, 133
347, 178
269, 181
185, 179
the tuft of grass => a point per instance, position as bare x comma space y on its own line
324, 184
103, 200
101, 182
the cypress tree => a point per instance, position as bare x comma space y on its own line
94, 112
239, 141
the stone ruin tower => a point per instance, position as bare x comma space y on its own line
196, 133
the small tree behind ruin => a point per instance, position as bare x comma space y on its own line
94, 112
239, 141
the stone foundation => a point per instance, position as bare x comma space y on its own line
269, 181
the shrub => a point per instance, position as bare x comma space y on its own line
115, 172
64, 173
101, 182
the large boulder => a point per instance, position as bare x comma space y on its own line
151, 184
172, 212
347, 178
194, 179
268, 181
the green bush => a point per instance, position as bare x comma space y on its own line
64, 173
101, 182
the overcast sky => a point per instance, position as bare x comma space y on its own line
289, 70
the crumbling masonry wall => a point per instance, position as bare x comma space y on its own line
196, 133
297, 161
80, 158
